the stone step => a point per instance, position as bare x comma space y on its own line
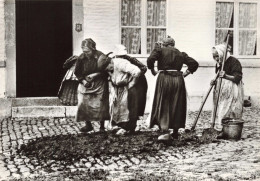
44, 111
36, 101
50, 107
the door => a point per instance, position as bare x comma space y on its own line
43, 43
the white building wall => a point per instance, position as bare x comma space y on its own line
77, 18
190, 23
2, 49
2, 82
101, 23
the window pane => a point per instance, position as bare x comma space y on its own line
153, 36
221, 37
131, 38
224, 15
247, 15
131, 13
247, 42
156, 12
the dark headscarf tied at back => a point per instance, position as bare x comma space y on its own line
168, 41
103, 62
88, 43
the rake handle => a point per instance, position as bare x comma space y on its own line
220, 82
203, 103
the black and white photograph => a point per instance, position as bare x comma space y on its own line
129, 90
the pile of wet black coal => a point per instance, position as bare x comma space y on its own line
71, 148
76, 175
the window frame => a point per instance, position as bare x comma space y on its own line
143, 27
236, 28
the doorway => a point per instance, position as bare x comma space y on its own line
43, 43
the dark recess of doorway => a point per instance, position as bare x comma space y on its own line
43, 43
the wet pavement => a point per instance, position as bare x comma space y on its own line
220, 160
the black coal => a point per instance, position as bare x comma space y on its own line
69, 149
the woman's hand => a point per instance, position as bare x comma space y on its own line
132, 83
154, 72
186, 73
85, 83
222, 74
213, 82
91, 77
109, 54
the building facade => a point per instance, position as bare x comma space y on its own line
196, 27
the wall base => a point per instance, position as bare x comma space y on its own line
51, 106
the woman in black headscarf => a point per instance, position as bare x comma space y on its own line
93, 103
169, 103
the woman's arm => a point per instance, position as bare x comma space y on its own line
128, 68
235, 74
70, 62
136, 62
234, 78
79, 70
92, 76
191, 63
152, 58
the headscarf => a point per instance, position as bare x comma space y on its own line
88, 43
158, 44
119, 50
103, 62
168, 41
221, 50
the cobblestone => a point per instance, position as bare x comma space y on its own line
226, 160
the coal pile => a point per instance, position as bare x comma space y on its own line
72, 148
77, 175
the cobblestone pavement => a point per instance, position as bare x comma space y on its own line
222, 160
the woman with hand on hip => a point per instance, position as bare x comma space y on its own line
169, 103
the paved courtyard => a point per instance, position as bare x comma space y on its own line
219, 160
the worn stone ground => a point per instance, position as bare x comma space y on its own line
222, 160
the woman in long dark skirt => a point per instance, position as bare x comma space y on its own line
93, 102
170, 102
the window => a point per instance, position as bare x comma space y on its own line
240, 18
143, 22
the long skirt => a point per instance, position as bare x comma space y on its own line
93, 102
230, 105
169, 103
126, 105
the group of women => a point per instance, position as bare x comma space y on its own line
110, 88
113, 87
